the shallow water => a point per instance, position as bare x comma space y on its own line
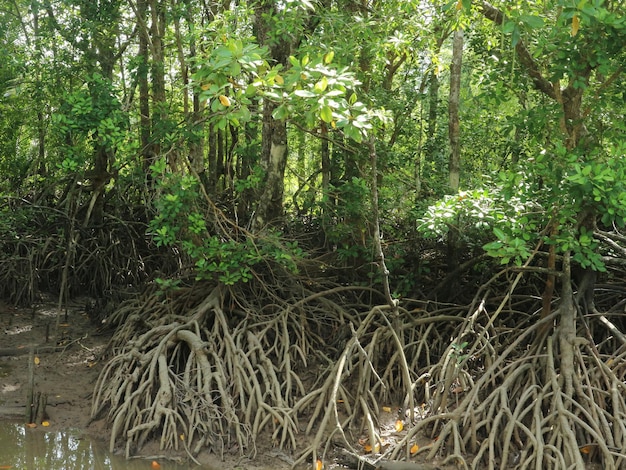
34, 449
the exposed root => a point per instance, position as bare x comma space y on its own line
525, 408
492, 389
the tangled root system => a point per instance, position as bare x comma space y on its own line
214, 368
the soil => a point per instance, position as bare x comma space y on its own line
67, 363
66, 348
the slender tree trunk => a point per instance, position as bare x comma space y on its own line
455, 147
325, 155
274, 134
196, 147
454, 166
157, 73
147, 155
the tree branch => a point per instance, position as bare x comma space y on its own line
526, 59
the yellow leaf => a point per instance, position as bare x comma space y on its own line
31, 425
319, 465
155, 465
414, 449
182, 437
45, 424
575, 25
37, 361
586, 449
368, 448
279, 80
399, 425
459, 5
224, 100
205, 87
387, 409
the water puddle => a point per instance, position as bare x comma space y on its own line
33, 449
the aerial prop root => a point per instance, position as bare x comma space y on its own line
519, 411
199, 382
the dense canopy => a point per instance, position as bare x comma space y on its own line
422, 202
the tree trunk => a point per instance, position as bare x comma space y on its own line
147, 155
454, 167
274, 134
157, 73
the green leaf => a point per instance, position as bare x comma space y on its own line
321, 85
515, 37
500, 234
304, 93
280, 113
532, 21
326, 113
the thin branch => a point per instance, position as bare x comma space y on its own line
525, 57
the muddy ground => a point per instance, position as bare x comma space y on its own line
66, 348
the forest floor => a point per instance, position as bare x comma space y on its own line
67, 351
67, 366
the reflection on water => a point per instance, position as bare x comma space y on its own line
33, 449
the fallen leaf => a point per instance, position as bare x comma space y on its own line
414, 449
45, 424
155, 465
399, 425
182, 437
36, 360
319, 465
31, 425
368, 448
387, 409
585, 449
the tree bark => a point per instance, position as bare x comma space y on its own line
454, 166
147, 155
274, 148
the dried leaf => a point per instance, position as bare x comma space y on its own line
45, 424
155, 465
319, 465
387, 409
575, 25
399, 425
37, 361
31, 425
414, 449
586, 449
369, 449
